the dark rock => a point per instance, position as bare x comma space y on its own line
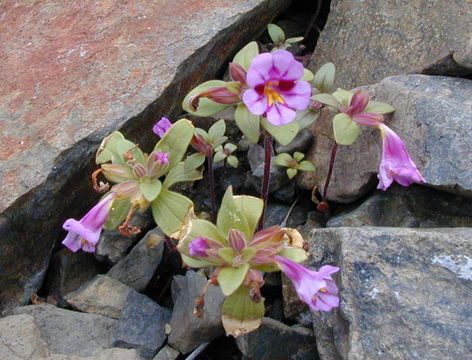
413, 206
370, 40
301, 143
275, 215
141, 325
113, 246
167, 353
274, 340
432, 117
108, 354
69, 332
178, 283
69, 270
84, 70
187, 330
404, 293
293, 306
286, 193
137, 268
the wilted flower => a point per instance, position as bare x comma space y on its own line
85, 233
161, 127
275, 87
316, 288
396, 164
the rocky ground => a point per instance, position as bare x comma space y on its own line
405, 254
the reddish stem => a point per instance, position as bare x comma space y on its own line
211, 178
266, 178
330, 171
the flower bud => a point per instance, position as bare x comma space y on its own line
198, 247
126, 189
161, 127
117, 173
139, 170
237, 72
199, 144
157, 164
220, 95
359, 101
236, 240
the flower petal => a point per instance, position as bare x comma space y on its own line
260, 70
286, 67
298, 97
279, 114
257, 104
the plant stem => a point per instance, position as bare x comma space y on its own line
211, 178
330, 171
266, 178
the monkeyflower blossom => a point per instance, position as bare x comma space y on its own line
161, 127
85, 233
356, 108
275, 89
316, 288
198, 247
396, 164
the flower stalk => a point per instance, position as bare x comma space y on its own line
323, 206
266, 176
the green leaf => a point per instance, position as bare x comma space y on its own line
107, 148
307, 75
231, 278
178, 174
306, 166
327, 99
227, 254
240, 314
291, 173
343, 96
283, 159
124, 146
378, 107
298, 156
306, 117
216, 131
345, 130
324, 77
248, 253
219, 156
117, 214
246, 54
193, 162
170, 211
251, 207
194, 263
248, 123
175, 141
232, 161
205, 228
276, 34
294, 39
230, 148
230, 216
151, 189
206, 107
294, 253
282, 134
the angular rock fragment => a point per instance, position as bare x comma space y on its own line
167, 353
109, 354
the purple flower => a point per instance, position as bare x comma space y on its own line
161, 127
396, 163
356, 108
85, 233
162, 157
275, 89
198, 247
317, 289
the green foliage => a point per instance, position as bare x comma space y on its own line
346, 131
150, 189
324, 78
276, 34
284, 134
230, 278
117, 215
246, 54
248, 123
294, 163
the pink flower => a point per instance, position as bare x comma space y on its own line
85, 233
198, 247
396, 163
161, 127
162, 157
317, 289
358, 103
275, 89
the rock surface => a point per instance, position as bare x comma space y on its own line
109, 354
81, 71
413, 206
141, 325
433, 119
20, 339
369, 40
102, 295
187, 330
275, 340
405, 293
69, 332
166, 353
137, 268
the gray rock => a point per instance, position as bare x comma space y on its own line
276, 213
69, 332
167, 353
118, 67
137, 268
141, 325
102, 295
69, 270
413, 206
113, 246
301, 143
20, 339
369, 40
178, 283
292, 304
432, 117
275, 340
109, 354
405, 293
286, 193
187, 330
